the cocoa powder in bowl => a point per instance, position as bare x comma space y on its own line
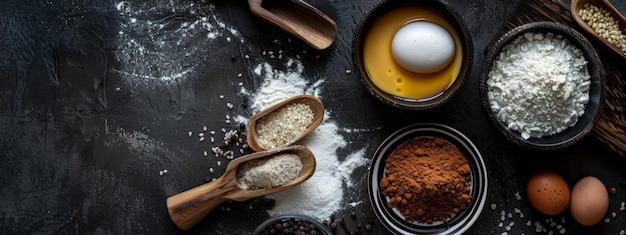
427, 180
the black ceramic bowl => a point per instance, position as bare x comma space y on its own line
585, 123
442, 8
457, 224
308, 222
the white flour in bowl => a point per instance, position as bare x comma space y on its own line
539, 84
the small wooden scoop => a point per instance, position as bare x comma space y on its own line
299, 19
605, 4
189, 207
313, 102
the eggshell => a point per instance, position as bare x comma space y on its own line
548, 192
590, 201
423, 47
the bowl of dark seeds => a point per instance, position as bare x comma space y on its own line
292, 224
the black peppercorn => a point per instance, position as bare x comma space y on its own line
278, 227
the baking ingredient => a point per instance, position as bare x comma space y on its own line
288, 225
603, 23
590, 201
548, 192
422, 47
427, 180
388, 75
283, 125
539, 84
327, 190
174, 35
269, 172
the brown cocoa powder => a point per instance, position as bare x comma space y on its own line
427, 180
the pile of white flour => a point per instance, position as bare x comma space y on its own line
322, 194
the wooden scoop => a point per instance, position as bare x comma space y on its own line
313, 102
299, 19
189, 207
605, 4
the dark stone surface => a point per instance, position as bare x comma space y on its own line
86, 125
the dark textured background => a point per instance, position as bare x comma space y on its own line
82, 145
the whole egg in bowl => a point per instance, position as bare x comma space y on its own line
413, 55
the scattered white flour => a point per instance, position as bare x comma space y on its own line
136, 141
281, 85
322, 194
166, 40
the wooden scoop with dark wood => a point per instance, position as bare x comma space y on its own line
299, 19
189, 207
576, 5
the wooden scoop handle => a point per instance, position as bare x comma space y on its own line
189, 207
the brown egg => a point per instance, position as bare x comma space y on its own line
548, 192
590, 201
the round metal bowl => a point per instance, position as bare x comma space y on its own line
478, 186
585, 123
439, 6
278, 220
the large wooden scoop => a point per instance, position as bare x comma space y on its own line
299, 19
189, 207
